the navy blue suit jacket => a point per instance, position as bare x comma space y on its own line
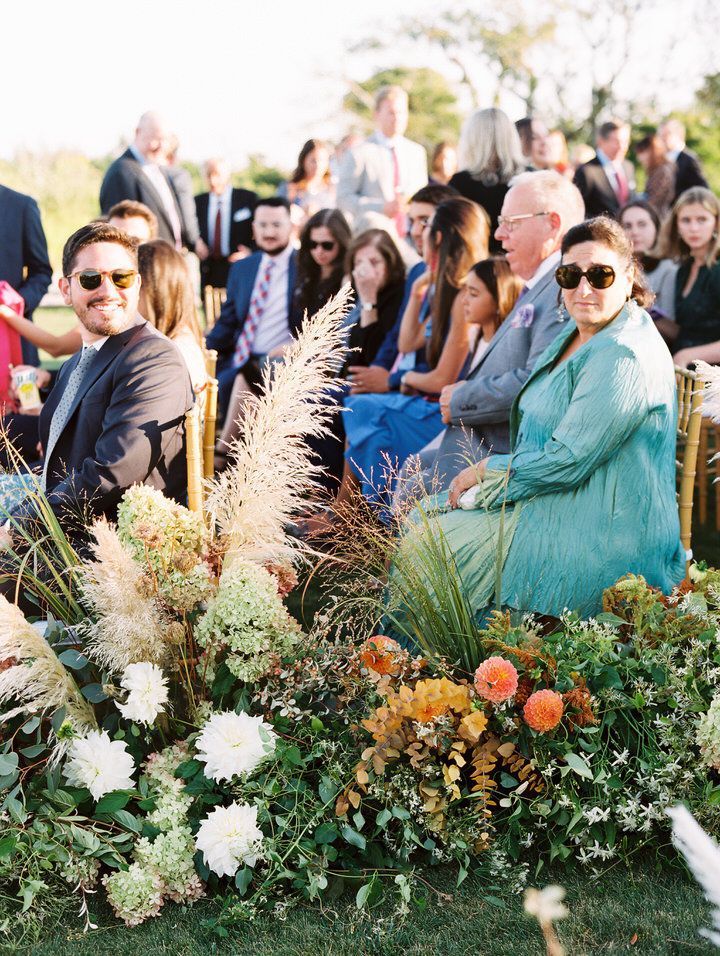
23, 247
226, 331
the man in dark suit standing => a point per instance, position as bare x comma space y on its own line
116, 414
608, 180
257, 320
24, 262
225, 219
688, 171
141, 174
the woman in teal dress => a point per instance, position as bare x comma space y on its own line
588, 492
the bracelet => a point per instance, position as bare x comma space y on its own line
368, 306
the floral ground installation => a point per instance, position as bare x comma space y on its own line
179, 735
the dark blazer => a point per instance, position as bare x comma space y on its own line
242, 205
126, 425
182, 187
125, 179
24, 261
688, 172
224, 334
597, 191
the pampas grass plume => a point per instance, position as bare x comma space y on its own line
272, 473
35, 675
702, 856
129, 626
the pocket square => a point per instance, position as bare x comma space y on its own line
523, 317
242, 214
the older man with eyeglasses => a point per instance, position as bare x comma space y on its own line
537, 211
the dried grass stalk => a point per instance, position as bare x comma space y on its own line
710, 374
129, 625
272, 472
31, 672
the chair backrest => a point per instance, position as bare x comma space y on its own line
210, 362
213, 299
194, 459
690, 396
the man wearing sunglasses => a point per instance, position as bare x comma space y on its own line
537, 211
115, 416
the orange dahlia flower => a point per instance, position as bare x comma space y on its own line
496, 680
382, 655
543, 710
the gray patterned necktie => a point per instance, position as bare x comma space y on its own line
61, 413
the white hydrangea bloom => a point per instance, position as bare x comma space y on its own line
148, 692
229, 837
232, 745
99, 764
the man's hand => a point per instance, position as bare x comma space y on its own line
445, 396
395, 207
467, 478
684, 358
201, 250
242, 253
373, 378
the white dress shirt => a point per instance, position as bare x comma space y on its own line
273, 329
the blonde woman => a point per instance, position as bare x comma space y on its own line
691, 233
489, 155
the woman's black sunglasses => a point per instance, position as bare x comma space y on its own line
327, 244
599, 277
91, 279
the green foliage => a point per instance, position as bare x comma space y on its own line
258, 176
433, 109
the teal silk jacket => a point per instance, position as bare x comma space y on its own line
589, 487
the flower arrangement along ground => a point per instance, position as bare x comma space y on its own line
179, 735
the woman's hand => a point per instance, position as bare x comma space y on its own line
468, 477
367, 284
684, 358
421, 284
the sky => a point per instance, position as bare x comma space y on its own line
232, 77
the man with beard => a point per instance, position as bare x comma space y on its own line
115, 416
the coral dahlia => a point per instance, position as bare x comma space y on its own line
496, 680
543, 710
381, 654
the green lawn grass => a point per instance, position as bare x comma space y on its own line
625, 911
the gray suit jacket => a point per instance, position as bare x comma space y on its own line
366, 178
480, 406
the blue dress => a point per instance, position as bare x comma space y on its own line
382, 431
588, 490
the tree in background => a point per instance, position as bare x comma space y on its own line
434, 114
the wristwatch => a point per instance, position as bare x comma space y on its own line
368, 306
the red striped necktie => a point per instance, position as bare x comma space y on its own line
256, 308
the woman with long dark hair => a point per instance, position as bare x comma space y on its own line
310, 186
383, 429
324, 242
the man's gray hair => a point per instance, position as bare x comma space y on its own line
554, 193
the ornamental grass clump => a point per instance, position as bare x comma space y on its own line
247, 623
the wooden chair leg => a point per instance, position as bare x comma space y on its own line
701, 478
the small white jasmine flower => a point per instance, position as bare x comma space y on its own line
229, 837
546, 904
148, 691
232, 745
99, 764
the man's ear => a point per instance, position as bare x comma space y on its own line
555, 220
64, 287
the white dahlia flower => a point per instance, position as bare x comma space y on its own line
99, 764
233, 745
229, 837
148, 691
